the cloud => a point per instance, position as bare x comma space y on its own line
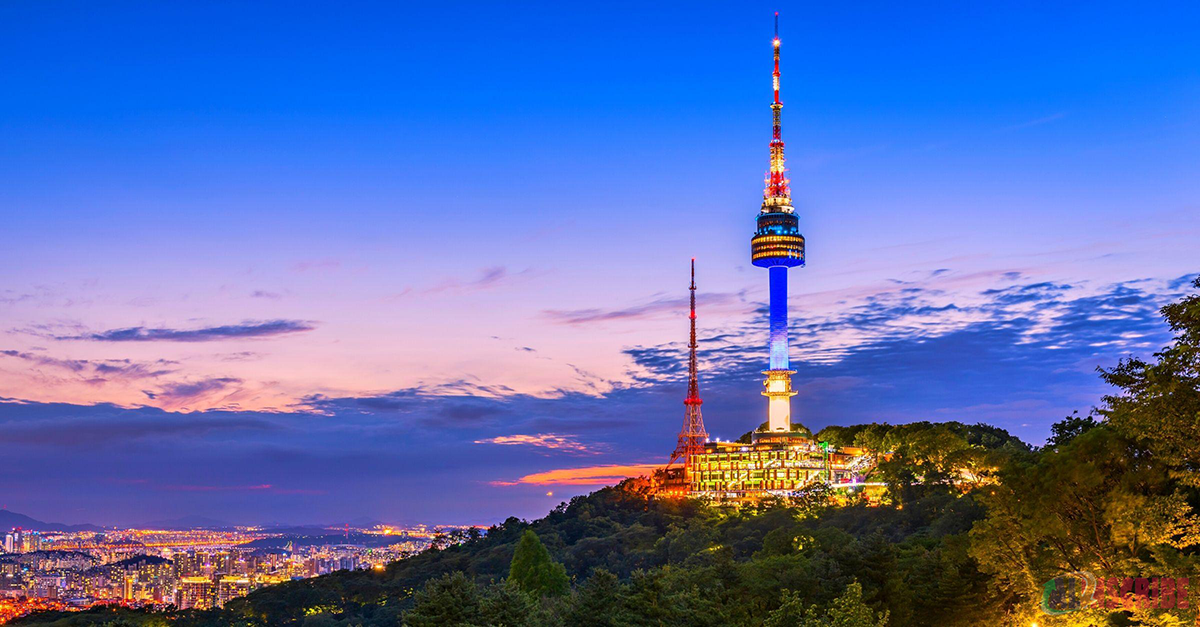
73, 365
912, 350
651, 309
266, 294
926, 351
239, 356
551, 441
182, 393
488, 277
468, 412
441, 406
88, 427
249, 329
586, 476
99, 371
130, 370
1005, 349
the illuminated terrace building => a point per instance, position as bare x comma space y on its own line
772, 466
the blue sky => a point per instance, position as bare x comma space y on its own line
303, 262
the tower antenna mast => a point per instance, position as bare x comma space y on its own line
692, 436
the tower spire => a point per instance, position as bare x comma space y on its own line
692, 436
777, 194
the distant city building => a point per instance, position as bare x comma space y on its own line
232, 588
31, 542
196, 593
222, 563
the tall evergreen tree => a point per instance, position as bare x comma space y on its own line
534, 571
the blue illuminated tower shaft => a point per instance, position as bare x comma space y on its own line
779, 318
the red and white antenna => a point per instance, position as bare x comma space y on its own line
692, 436
777, 182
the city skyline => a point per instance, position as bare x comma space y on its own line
423, 270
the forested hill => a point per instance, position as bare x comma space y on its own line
715, 566
635, 560
976, 525
629, 559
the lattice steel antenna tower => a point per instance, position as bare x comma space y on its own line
777, 245
692, 436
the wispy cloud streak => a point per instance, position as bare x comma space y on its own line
250, 329
651, 309
551, 441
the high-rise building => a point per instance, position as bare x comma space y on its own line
31, 542
190, 564
223, 562
129, 582
231, 588
196, 593
777, 245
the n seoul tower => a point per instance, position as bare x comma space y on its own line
777, 245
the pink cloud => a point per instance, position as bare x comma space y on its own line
586, 476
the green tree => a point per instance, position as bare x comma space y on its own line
848, 611
1116, 498
779, 541
1070, 428
534, 571
505, 605
596, 602
789, 613
451, 599
1159, 403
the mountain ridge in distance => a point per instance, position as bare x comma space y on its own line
11, 520
184, 523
